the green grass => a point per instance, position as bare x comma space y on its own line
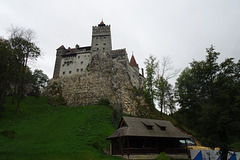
235, 146
54, 133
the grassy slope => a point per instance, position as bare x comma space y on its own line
61, 133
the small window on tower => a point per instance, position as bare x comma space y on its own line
78, 56
97, 48
81, 62
97, 38
77, 70
63, 73
70, 72
104, 43
63, 65
96, 44
104, 37
103, 48
81, 69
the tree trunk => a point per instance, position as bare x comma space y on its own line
20, 91
224, 151
18, 101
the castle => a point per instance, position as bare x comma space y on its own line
74, 61
85, 75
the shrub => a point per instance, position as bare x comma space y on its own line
162, 156
95, 145
8, 133
104, 102
54, 92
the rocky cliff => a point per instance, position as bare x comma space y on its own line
104, 78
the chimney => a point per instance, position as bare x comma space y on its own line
142, 72
77, 46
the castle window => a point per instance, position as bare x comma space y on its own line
63, 65
97, 48
104, 37
97, 38
68, 64
78, 56
96, 44
103, 48
70, 72
81, 69
63, 73
81, 62
77, 70
104, 43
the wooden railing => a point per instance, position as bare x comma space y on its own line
175, 150
140, 150
153, 150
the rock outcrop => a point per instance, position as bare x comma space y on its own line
104, 78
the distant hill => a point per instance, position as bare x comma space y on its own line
41, 131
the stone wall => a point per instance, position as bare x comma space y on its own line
105, 78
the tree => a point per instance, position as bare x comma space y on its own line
208, 94
39, 81
164, 90
5, 67
25, 49
151, 66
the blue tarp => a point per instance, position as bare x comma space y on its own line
198, 156
233, 157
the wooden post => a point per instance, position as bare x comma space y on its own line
144, 144
128, 146
156, 146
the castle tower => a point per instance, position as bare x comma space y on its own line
101, 38
60, 52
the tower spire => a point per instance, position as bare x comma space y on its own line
102, 23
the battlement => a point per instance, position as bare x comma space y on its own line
118, 53
104, 30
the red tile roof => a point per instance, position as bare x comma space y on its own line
133, 62
102, 24
62, 47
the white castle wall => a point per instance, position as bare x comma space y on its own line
72, 65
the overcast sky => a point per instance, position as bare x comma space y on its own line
180, 29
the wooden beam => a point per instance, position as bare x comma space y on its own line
128, 146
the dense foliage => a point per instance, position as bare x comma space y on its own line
5, 68
16, 77
209, 96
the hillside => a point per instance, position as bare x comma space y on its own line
41, 131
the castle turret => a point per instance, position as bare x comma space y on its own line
133, 62
101, 38
60, 52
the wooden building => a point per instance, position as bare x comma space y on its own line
136, 136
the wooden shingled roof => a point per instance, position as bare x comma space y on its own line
141, 127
